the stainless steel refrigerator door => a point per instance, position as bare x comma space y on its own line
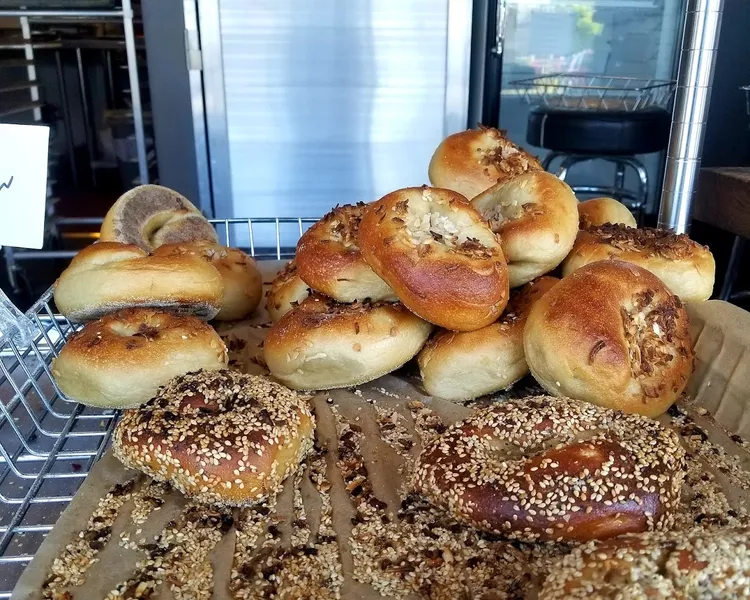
310, 104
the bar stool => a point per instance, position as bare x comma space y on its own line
577, 136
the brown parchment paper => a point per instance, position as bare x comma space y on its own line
720, 384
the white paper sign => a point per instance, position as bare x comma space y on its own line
23, 184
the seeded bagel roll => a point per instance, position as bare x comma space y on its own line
330, 262
469, 162
439, 256
108, 276
220, 437
465, 365
598, 211
612, 334
322, 344
287, 290
120, 360
554, 469
536, 216
687, 268
699, 563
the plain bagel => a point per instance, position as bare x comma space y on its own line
108, 276
469, 162
687, 268
286, 291
439, 256
330, 262
243, 286
599, 211
536, 216
322, 344
151, 215
466, 365
120, 360
611, 334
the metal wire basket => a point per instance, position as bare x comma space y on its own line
48, 443
585, 91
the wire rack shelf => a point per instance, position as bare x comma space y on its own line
48, 443
588, 91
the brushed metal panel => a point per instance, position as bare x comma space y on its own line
331, 101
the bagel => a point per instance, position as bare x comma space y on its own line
439, 256
612, 334
287, 290
243, 286
686, 267
462, 366
108, 276
120, 360
322, 344
599, 211
553, 469
220, 437
151, 215
469, 162
330, 262
536, 217
700, 563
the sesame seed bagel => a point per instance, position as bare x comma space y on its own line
536, 216
461, 366
108, 276
700, 563
599, 211
243, 286
439, 256
686, 267
322, 344
471, 161
554, 469
612, 334
151, 215
120, 360
330, 262
287, 291
220, 437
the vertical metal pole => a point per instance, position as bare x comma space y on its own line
110, 79
87, 127
66, 117
694, 79
28, 52
135, 90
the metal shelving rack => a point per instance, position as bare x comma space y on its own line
48, 444
13, 256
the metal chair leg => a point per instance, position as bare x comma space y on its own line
733, 267
568, 161
548, 160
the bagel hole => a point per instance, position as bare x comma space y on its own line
148, 330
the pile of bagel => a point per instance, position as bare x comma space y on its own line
145, 292
494, 271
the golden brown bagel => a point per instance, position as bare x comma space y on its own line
108, 276
664, 565
120, 360
330, 262
599, 211
220, 437
686, 267
461, 366
536, 217
554, 469
151, 215
439, 256
287, 291
611, 334
322, 344
471, 161
243, 286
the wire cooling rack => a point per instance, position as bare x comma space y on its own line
48, 444
587, 91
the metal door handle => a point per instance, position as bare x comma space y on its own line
501, 16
